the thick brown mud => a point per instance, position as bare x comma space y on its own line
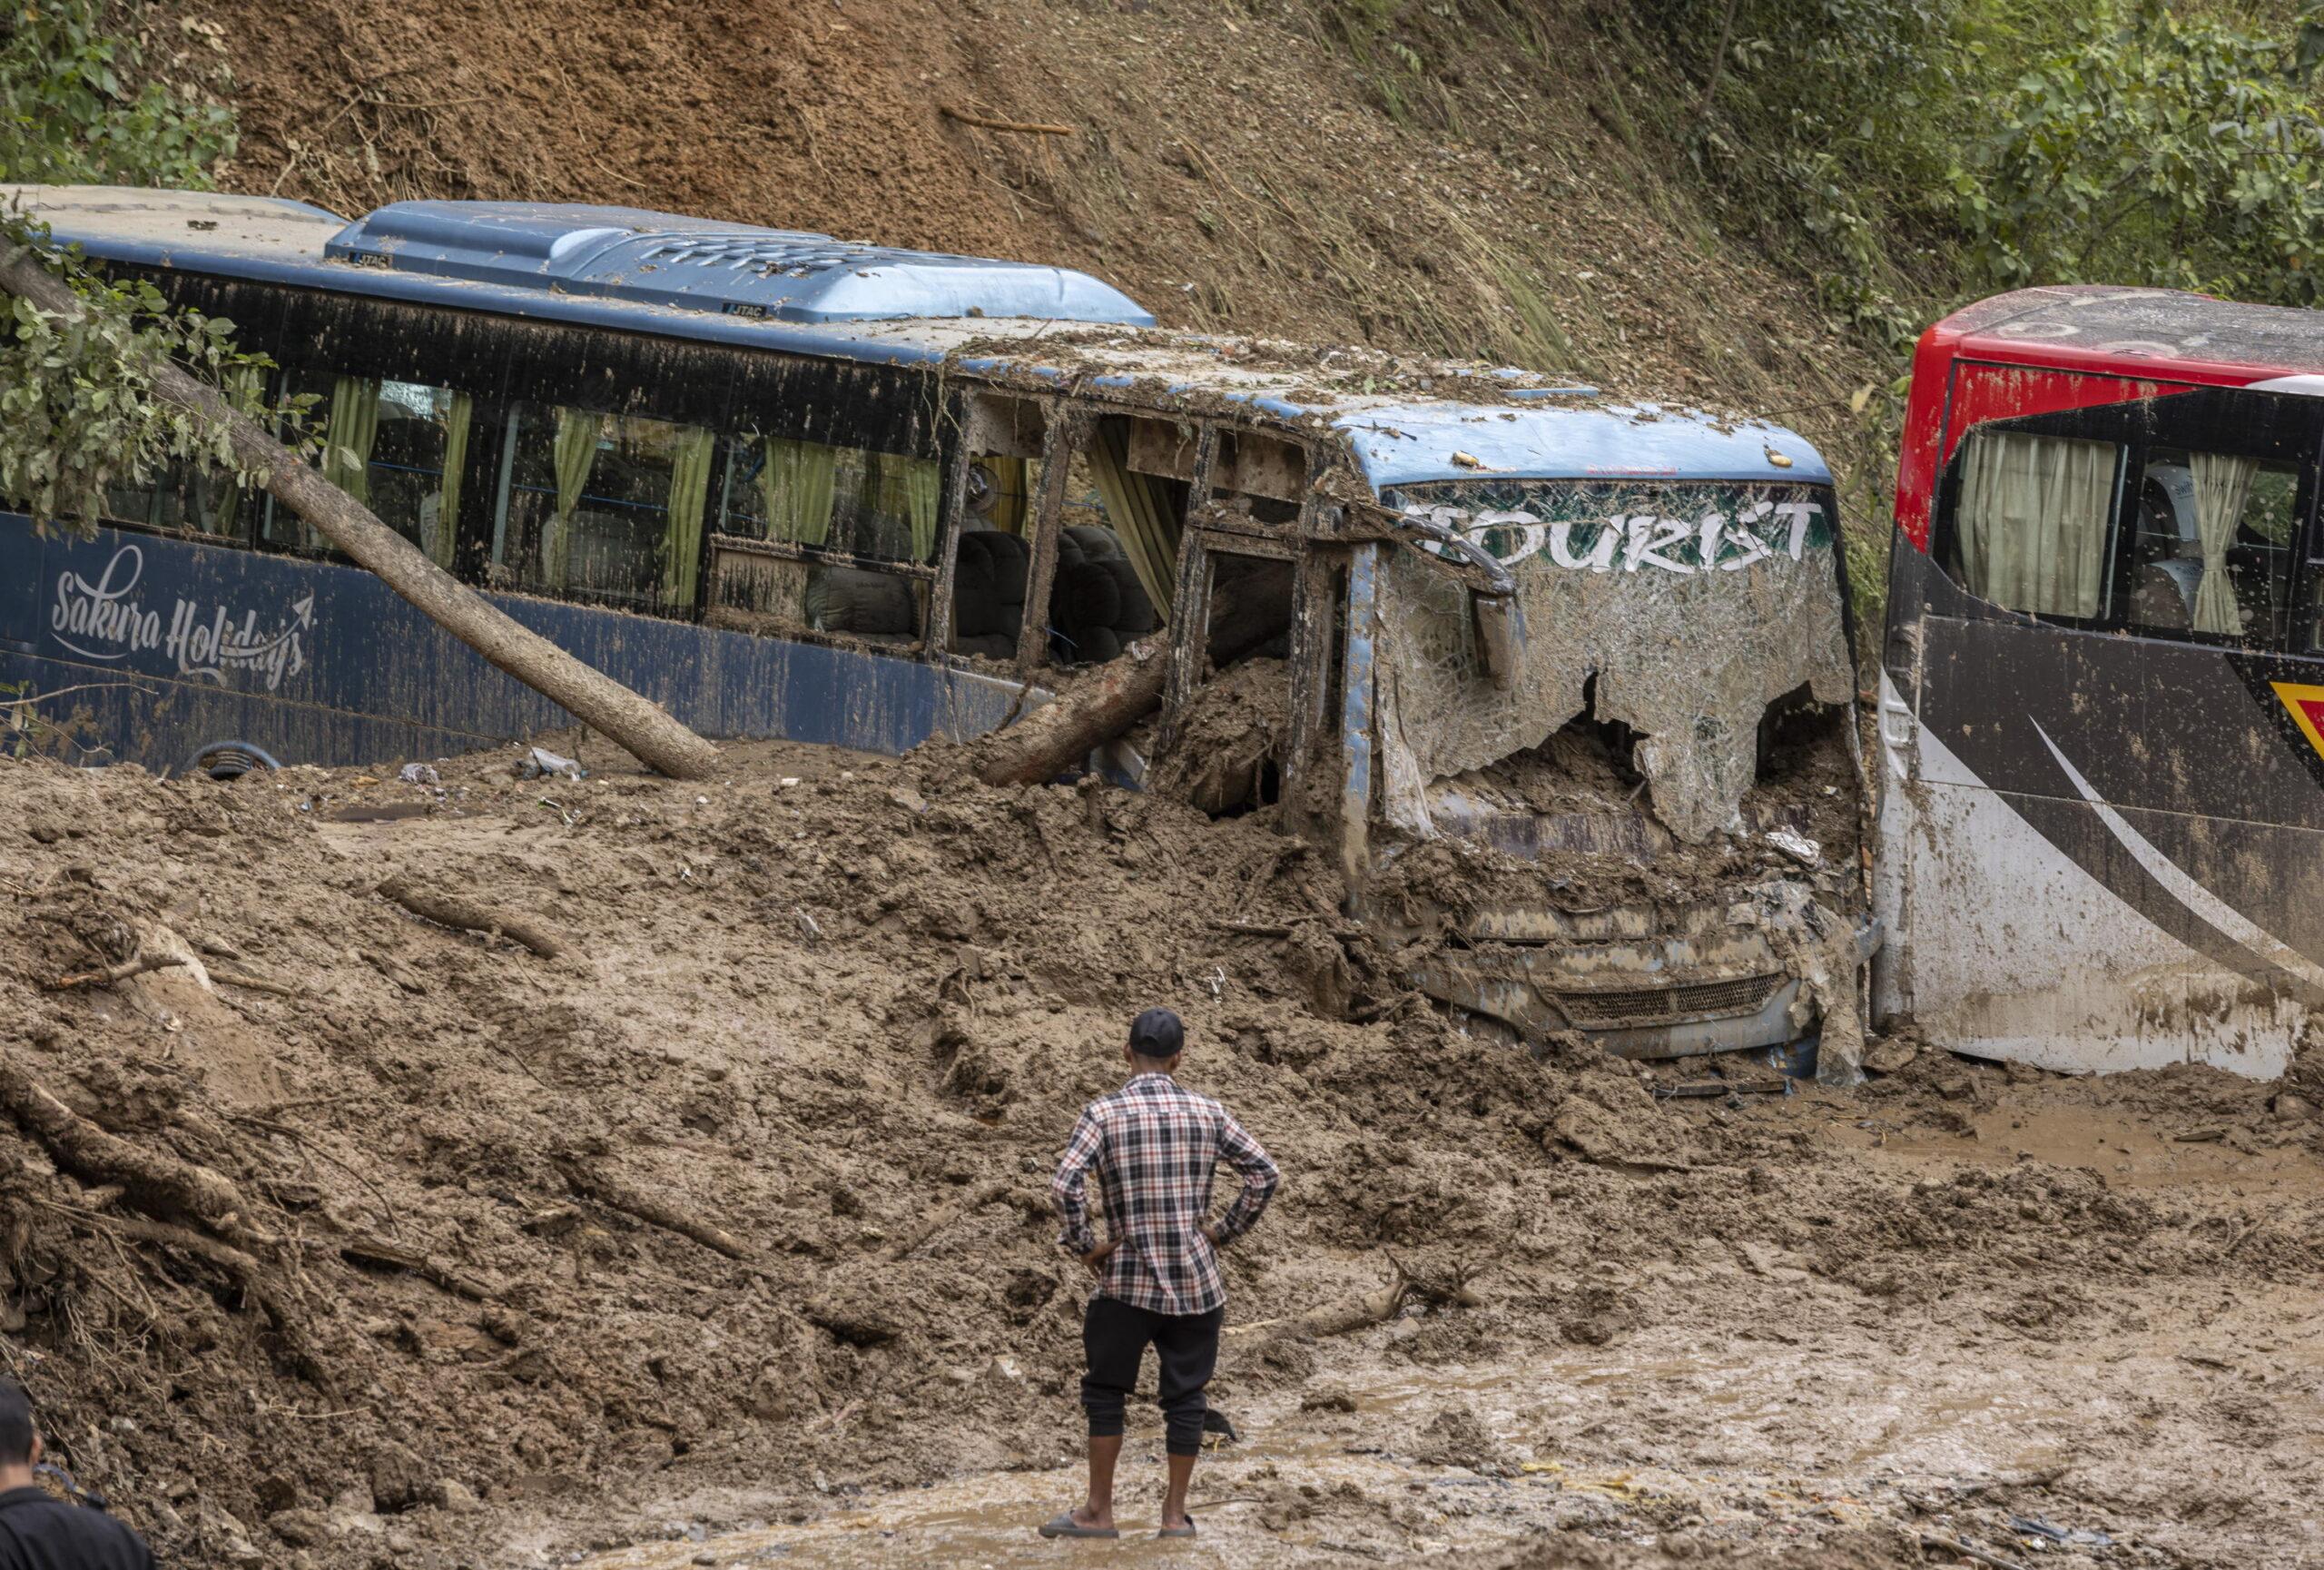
722, 1232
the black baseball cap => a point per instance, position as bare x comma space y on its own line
1157, 1033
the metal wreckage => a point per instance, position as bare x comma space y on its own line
1567, 682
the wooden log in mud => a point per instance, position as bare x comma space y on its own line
1063, 731
451, 911
1338, 1317
613, 1192
158, 1184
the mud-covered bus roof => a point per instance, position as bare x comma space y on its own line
2098, 326
677, 276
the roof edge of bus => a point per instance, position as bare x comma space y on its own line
630, 269
2136, 331
705, 264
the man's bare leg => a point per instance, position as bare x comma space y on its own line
1105, 1450
1174, 1501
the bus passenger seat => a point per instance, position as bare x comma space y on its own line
988, 593
1098, 606
875, 606
2163, 598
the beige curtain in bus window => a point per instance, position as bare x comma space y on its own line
910, 488
689, 494
925, 504
347, 439
795, 488
2033, 521
1012, 487
439, 544
575, 454
1137, 509
2222, 484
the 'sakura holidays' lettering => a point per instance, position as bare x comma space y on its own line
104, 620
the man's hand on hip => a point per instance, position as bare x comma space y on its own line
1096, 1257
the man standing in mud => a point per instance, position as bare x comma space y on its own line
40, 1532
1153, 1145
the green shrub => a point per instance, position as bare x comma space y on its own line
77, 105
77, 409
2154, 150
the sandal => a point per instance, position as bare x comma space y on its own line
1185, 1531
1064, 1525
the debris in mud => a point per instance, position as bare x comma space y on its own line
1456, 1436
408, 1260
1228, 748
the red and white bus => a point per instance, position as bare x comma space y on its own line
2102, 701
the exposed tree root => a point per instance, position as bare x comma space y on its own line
976, 1198
160, 1185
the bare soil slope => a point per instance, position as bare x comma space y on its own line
732, 1209
1234, 167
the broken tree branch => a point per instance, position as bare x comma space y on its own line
1961, 1550
450, 910
1021, 127
586, 693
137, 964
620, 1196
158, 1184
976, 1198
255, 983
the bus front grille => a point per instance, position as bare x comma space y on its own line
1613, 1009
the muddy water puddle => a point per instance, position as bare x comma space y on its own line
2129, 1149
1729, 1440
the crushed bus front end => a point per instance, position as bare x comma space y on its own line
1640, 818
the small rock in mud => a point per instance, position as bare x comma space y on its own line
1457, 1436
856, 1312
400, 1479
1330, 1398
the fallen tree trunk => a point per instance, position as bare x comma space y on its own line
160, 1185
450, 910
1063, 731
590, 694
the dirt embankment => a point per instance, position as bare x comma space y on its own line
732, 1210
1474, 186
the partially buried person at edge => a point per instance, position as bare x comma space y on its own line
1153, 1145
39, 1531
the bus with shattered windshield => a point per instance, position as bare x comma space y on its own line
2102, 701
1564, 683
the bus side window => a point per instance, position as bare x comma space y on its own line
857, 533
602, 506
2031, 518
2211, 546
400, 448
192, 496
195, 497
1118, 544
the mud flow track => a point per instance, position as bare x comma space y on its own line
838, 1012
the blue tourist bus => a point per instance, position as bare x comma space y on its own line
789, 485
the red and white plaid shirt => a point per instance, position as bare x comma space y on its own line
1155, 1146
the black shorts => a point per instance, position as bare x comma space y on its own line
1115, 1336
